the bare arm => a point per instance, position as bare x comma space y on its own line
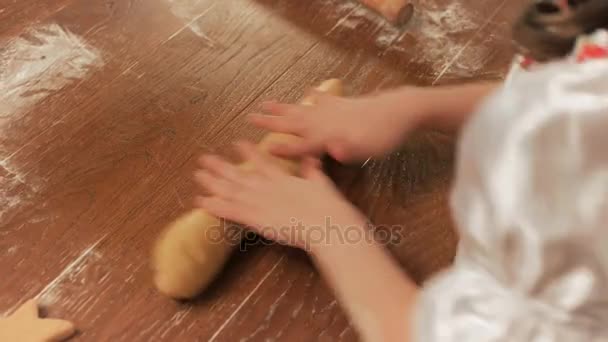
374, 291
347, 128
455, 104
442, 107
377, 295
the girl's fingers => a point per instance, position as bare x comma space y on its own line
221, 208
202, 179
294, 150
311, 169
276, 108
338, 151
214, 185
318, 96
280, 124
261, 164
311, 164
220, 167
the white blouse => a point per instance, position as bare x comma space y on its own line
530, 202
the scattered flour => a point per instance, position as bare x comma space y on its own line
74, 273
33, 66
342, 11
7, 203
350, 22
12, 250
13, 190
352, 15
437, 30
17, 188
387, 33
36, 64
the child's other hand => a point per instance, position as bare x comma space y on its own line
348, 129
276, 205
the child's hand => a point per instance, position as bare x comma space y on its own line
274, 204
348, 129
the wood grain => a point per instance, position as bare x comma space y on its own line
93, 166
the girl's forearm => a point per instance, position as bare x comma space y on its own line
376, 294
451, 106
441, 107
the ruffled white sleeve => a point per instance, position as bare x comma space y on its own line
530, 201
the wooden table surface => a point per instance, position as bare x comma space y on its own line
105, 104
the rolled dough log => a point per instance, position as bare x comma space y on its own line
397, 12
191, 251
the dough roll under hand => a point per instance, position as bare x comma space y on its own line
194, 248
397, 12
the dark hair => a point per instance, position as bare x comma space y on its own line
547, 32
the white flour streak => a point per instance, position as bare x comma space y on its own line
255, 289
52, 290
147, 330
12, 250
10, 172
354, 14
13, 189
266, 324
39, 63
128, 69
8, 202
175, 321
345, 9
187, 11
49, 293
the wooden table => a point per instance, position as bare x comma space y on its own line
105, 104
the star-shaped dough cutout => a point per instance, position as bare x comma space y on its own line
25, 325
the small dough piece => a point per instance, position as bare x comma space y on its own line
397, 12
193, 249
24, 325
